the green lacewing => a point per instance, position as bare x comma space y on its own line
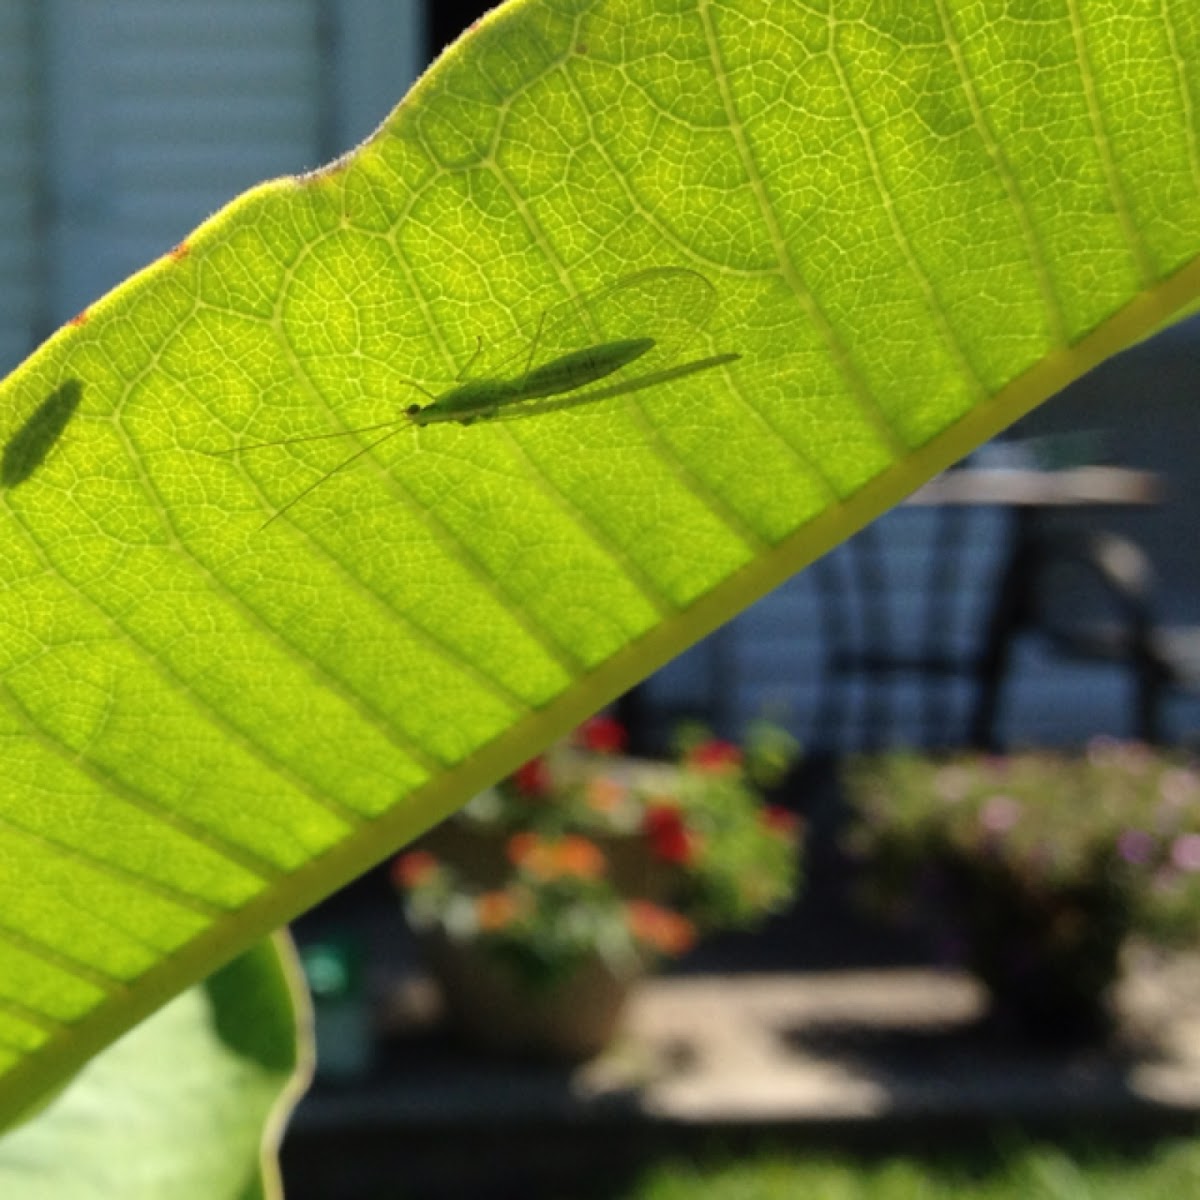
673, 302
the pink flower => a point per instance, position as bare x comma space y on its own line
1185, 852
999, 814
1135, 757
1135, 846
1102, 749
1178, 786
952, 783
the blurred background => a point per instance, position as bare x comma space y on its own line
1047, 595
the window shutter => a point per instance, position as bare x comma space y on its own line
18, 184
159, 113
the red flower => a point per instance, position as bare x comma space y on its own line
601, 735
670, 838
715, 756
780, 821
411, 870
665, 931
533, 779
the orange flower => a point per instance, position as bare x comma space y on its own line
496, 910
665, 931
530, 852
522, 847
572, 855
601, 735
604, 795
413, 869
579, 857
716, 756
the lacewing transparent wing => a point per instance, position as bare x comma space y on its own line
669, 304
627, 386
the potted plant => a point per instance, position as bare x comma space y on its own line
544, 962
695, 830
554, 891
1034, 868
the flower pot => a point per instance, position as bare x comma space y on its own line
1037, 866
1048, 955
490, 1006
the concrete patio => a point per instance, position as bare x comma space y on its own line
893, 1056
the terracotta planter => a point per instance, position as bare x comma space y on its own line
491, 1007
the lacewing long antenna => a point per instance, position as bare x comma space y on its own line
310, 437
332, 471
318, 437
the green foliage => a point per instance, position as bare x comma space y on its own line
190, 1104
1017, 1170
919, 221
1122, 816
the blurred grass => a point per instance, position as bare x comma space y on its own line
1014, 1170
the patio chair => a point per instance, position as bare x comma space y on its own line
904, 608
1088, 597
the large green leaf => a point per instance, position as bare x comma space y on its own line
919, 220
189, 1105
